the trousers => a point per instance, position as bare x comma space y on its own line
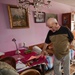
64, 62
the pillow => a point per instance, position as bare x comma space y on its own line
6, 65
6, 69
37, 49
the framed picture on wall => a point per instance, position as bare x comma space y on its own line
66, 19
39, 17
51, 15
18, 17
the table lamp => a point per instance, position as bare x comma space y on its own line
17, 50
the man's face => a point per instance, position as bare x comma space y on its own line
53, 26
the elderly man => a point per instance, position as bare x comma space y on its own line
60, 37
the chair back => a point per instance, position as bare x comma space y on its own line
30, 72
10, 60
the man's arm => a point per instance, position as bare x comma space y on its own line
44, 48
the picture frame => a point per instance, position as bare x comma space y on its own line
66, 20
18, 17
39, 17
51, 15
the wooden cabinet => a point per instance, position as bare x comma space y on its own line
68, 19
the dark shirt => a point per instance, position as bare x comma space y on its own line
61, 40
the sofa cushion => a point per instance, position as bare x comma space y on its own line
6, 69
39, 45
10, 60
37, 49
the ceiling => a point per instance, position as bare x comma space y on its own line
68, 2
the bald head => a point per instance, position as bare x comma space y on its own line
51, 20
52, 24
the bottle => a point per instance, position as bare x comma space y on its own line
26, 48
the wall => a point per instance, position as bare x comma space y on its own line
36, 33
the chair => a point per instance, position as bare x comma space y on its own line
10, 60
7, 66
30, 72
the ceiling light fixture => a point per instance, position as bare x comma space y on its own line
37, 4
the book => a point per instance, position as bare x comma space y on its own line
21, 66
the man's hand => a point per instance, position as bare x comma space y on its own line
43, 53
50, 50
